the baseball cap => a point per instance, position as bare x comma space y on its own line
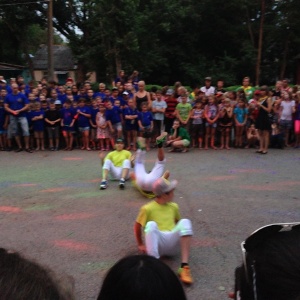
162, 186
3, 80
125, 93
114, 89
119, 140
208, 78
57, 102
169, 92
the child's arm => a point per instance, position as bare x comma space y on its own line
138, 229
110, 126
140, 124
151, 126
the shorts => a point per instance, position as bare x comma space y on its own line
53, 132
185, 143
213, 125
286, 124
82, 129
117, 126
14, 123
297, 126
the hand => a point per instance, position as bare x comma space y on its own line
142, 249
102, 155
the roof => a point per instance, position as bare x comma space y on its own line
10, 67
63, 59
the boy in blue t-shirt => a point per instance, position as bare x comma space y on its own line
3, 125
37, 119
113, 117
83, 120
67, 123
145, 122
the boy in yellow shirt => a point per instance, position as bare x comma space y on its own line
118, 163
163, 228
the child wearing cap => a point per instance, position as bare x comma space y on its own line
117, 163
142, 180
163, 228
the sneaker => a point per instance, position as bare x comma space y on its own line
161, 138
103, 185
185, 275
122, 184
141, 143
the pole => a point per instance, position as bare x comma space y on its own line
50, 41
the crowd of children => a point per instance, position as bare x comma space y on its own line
68, 116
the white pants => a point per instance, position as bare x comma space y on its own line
143, 179
116, 172
159, 243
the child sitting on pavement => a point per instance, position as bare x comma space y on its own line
163, 228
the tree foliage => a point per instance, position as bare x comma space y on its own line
166, 40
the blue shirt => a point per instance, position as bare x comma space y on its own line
94, 112
113, 115
17, 102
67, 115
240, 113
38, 125
145, 118
84, 121
130, 112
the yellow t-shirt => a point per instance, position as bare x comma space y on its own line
118, 157
163, 214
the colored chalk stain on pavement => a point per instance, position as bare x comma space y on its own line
53, 190
24, 185
10, 209
39, 207
76, 216
96, 266
72, 158
73, 245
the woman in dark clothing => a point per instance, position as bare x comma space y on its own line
263, 122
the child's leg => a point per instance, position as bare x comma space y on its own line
207, 135
1, 141
42, 142
37, 140
148, 144
129, 141
70, 144
66, 138
212, 138
86, 135
222, 138
101, 142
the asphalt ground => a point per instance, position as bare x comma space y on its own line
51, 210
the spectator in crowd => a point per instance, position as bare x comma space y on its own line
141, 277
208, 89
158, 109
179, 138
170, 109
130, 120
21, 278
263, 122
141, 96
16, 104
211, 115
247, 88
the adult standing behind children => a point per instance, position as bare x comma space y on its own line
163, 227
16, 104
117, 163
141, 96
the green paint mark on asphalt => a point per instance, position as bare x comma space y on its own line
39, 207
96, 266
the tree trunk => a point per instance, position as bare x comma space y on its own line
284, 59
260, 42
118, 61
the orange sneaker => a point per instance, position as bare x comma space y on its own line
185, 275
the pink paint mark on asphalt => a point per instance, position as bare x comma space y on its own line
94, 180
53, 190
208, 242
25, 184
10, 209
248, 171
72, 158
78, 216
220, 178
73, 245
